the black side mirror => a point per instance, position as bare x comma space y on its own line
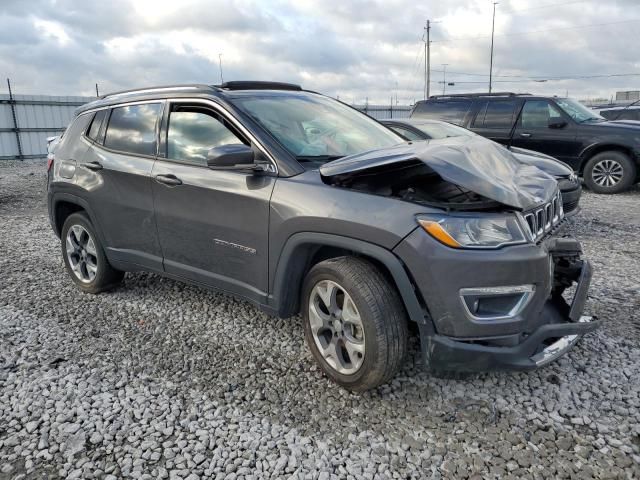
555, 122
232, 157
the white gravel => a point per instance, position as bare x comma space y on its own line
162, 380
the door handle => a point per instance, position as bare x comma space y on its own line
525, 135
168, 179
93, 166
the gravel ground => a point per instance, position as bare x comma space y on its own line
162, 380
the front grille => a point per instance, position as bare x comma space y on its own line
542, 219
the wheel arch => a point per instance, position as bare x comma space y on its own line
65, 204
592, 150
303, 250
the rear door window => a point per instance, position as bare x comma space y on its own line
452, 111
496, 114
132, 129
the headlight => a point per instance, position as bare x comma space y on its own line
487, 231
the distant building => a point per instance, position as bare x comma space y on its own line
629, 95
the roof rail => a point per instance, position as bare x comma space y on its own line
157, 89
258, 85
492, 94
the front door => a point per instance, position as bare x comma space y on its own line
213, 225
534, 132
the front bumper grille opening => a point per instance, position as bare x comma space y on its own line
545, 218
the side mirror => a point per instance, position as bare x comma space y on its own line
231, 157
555, 122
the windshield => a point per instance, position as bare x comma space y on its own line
577, 111
443, 130
317, 128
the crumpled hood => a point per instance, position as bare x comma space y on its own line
473, 162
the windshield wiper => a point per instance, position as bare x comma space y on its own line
591, 119
318, 158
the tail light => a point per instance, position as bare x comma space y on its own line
50, 160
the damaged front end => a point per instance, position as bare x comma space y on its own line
490, 270
457, 173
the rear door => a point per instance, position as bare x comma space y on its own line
116, 172
494, 119
212, 224
534, 133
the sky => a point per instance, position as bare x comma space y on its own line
355, 50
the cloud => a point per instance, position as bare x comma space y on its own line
355, 49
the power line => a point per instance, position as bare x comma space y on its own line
549, 5
551, 78
576, 27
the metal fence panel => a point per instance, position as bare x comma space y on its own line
382, 112
37, 117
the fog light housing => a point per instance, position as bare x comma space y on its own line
488, 304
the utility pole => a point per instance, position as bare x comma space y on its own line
444, 77
427, 59
493, 25
97, 93
220, 64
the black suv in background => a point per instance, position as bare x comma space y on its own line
605, 153
301, 204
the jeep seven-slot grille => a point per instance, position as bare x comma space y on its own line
542, 219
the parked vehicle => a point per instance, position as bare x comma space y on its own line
422, 129
605, 153
301, 204
615, 113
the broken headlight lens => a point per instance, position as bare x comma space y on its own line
487, 231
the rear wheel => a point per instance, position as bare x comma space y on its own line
609, 172
84, 257
354, 323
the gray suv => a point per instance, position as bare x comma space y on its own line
303, 205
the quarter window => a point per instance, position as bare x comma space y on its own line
94, 129
406, 133
192, 132
132, 129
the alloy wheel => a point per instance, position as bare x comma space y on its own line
607, 173
82, 254
336, 327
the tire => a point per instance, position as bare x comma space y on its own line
370, 336
84, 256
609, 172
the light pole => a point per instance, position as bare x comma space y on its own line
493, 25
444, 77
220, 64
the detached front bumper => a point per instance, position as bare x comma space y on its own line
522, 322
566, 325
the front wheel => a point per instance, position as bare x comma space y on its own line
354, 323
609, 172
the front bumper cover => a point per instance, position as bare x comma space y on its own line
560, 327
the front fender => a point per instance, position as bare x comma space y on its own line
294, 262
